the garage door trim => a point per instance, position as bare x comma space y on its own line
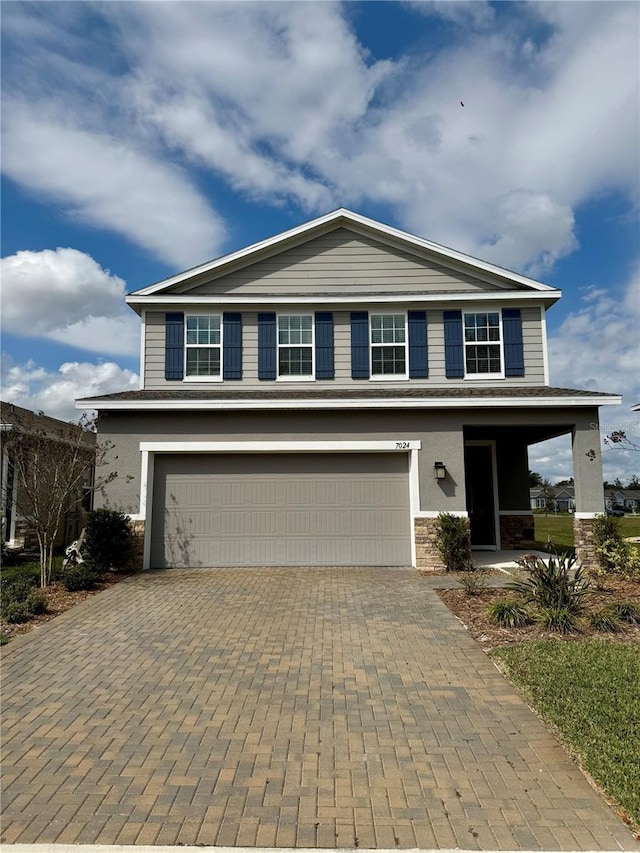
149, 449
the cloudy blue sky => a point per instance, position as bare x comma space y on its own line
141, 138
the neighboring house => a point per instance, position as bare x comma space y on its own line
625, 499
16, 532
320, 397
564, 498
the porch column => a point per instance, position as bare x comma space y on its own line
587, 473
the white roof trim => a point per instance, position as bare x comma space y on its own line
349, 217
257, 298
390, 403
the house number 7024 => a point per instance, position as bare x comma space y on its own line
402, 445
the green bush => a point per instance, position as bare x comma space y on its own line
15, 591
16, 611
454, 542
509, 614
21, 600
37, 602
552, 583
108, 539
613, 552
81, 576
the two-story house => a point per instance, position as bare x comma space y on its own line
318, 398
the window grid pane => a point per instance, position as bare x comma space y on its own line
295, 361
388, 361
387, 329
203, 361
294, 329
483, 359
203, 330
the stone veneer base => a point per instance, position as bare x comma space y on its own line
584, 542
428, 557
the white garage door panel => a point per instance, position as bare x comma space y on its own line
277, 509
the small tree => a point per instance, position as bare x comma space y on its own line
549, 495
53, 464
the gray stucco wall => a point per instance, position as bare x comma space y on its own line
441, 432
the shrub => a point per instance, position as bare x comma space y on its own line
627, 611
552, 584
108, 539
454, 542
558, 619
474, 580
37, 602
604, 620
81, 576
613, 552
14, 594
16, 611
21, 601
606, 533
509, 614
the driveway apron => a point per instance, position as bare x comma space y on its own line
280, 707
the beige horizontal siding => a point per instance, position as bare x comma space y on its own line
154, 354
339, 262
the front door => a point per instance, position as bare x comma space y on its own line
478, 466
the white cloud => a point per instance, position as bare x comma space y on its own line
64, 295
103, 181
283, 103
603, 332
34, 387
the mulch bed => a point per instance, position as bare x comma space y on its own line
472, 612
59, 599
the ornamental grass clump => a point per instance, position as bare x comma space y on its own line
509, 614
474, 580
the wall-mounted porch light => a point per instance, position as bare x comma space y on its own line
439, 470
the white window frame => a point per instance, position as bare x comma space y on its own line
187, 346
306, 377
389, 377
483, 376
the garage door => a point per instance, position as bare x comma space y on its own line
281, 510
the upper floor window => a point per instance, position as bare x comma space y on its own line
388, 345
203, 345
295, 345
483, 343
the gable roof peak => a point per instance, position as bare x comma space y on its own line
332, 220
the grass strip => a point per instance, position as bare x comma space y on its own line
590, 690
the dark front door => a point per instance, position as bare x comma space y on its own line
478, 466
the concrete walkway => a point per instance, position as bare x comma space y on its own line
280, 708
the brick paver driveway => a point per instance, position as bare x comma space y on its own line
280, 707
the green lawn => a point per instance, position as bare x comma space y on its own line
589, 691
559, 529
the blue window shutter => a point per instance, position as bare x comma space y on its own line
231, 346
453, 345
324, 345
267, 346
174, 346
513, 349
359, 345
418, 364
